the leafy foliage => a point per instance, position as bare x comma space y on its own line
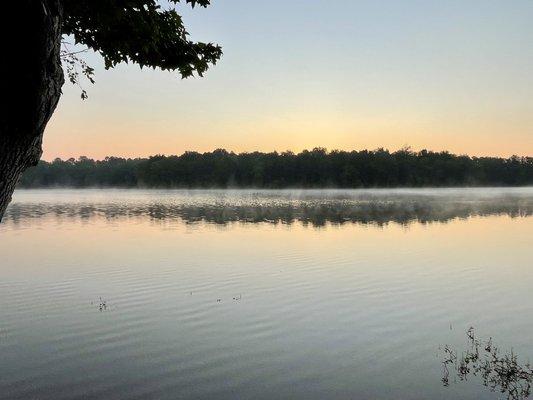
138, 31
316, 168
73, 64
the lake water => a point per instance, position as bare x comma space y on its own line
130, 294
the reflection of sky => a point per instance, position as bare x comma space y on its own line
341, 74
352, 309
85, 236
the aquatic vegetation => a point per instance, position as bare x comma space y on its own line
101, 304
499, 371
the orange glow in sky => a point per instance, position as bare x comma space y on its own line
337, 74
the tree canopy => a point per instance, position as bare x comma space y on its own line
316, 168
140, 32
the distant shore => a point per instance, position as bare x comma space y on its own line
317, 168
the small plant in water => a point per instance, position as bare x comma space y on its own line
101, 304
499, 371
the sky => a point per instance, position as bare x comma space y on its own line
340, 74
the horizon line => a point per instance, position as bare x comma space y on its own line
317, 148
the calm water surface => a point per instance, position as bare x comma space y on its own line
110, 294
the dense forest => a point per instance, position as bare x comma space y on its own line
315, 168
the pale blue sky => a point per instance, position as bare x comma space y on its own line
335, 73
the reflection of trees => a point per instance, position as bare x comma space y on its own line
269, 209
499, 372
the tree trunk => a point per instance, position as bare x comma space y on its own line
31, 78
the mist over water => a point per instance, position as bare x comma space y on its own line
315, 207
255, 294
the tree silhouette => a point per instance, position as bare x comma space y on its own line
309, 169
136, 31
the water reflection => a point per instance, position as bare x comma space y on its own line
197, 312
500, 372
312, 207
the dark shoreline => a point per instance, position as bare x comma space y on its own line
316, 169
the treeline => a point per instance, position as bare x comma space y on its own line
316, 168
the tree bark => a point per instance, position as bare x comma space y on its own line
31, 78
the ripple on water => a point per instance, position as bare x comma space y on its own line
355, 306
